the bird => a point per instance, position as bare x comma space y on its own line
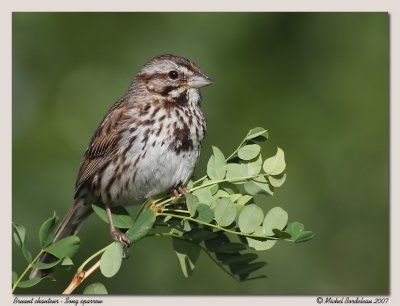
148, 143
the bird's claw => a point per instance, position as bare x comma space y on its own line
121, 237
180, 191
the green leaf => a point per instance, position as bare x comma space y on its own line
256, 132
247, 269
19, 234
234, 171
239, 209
277, 181
19, 238
234, 196
305, 236
42, 265
276, 164
260, 245
32, 282
230, 187
46, 230
96, 288
176, 227
142, 225
186, 226
253, 278
213, 188
281, 234
228, 248
200, 234
250, 218
216, 167
187, 254
65, 247
179, 226
14, 277
221, 194
275, 218
111, 259
204, 195
251, 167
205, 213
294, 229
189, 185
224, 212
244, 199
192, 202
66, 261
120, 216
259, 185
239, 259
248, 152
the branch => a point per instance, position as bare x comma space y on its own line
80, 277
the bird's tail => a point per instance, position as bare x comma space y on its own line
70, 225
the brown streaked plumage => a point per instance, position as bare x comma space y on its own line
147, 144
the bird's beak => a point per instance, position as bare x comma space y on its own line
199, 80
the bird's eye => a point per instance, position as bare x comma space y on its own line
173, 74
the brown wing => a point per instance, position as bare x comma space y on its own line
102, 145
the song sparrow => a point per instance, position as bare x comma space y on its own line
147, 144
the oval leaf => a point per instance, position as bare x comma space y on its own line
221, 194
67, 261
46, 231
120, 216
111, 259
204, 195
251, 167
275, 218
205, 213
14, 277
276, 164
305, 236
244, 199
216, 167
142, 225
65, 247
228, 248
255, 132
192, 202
200, 234
260, 245
277, 181
19, 234
234, 171
294, 229
42, 265
281, 234
254, 187
32, 282
225, 212
247, 269
240, 259
19, 238
249, 151
187, 254
250, 218
234, 196
96, 288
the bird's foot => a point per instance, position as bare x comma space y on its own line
176, 192
121, 237
180, 191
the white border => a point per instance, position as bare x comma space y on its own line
8, 6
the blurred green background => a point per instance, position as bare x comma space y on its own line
317, 81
